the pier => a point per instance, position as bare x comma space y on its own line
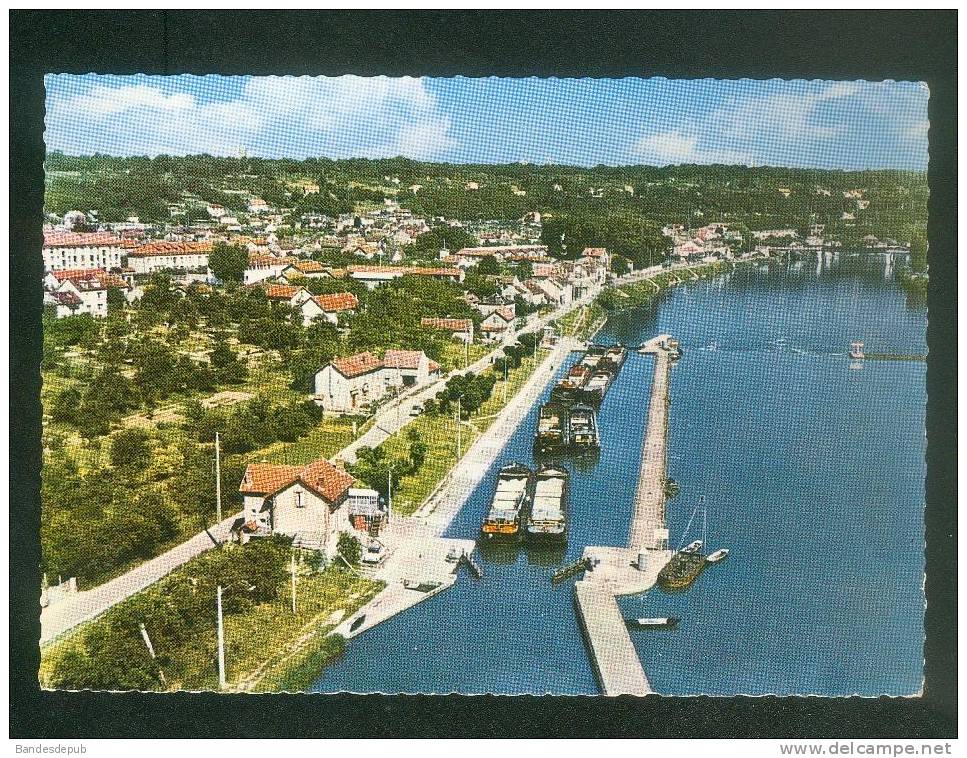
633, 568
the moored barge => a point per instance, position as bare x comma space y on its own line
547, 521
553, 429
511, 502
584, 428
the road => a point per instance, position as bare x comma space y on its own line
398, 413
83, 606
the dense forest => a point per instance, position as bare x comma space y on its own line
160, 189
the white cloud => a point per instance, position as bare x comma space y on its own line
667, 147
270, 116
102, 101
806, 123
664, 148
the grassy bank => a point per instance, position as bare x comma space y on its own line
439, 432
264, 639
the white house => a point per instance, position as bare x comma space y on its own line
71, 250
302, 502
349, 383
557, 291
460, 328
170, 256
373, 276
486, 307
498, 324
328, 307
76, 292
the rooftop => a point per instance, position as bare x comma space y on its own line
320, 476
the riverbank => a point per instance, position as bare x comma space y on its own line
264, 638
858, 598
583, 323
442, 435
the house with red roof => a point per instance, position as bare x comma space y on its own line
302, 502
328, 307
353, 382
304, 270
460, 328
498, 324
74, 291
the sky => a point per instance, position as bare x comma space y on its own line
819, 124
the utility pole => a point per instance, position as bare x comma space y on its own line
147, 642
459, 422
221, 643
293, 582
505, 378
218, 479
389, 492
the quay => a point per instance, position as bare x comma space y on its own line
633, 568
419, 567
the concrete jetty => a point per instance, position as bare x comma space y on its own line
633, 568
615, 661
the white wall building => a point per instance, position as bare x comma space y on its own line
350, 383
70, 250
170, 256
298, 501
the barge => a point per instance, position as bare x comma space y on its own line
589, 380
547, 521
553, 429
584, 428
511, 502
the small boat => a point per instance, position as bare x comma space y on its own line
512, 499
584, 428
418, 586
548, 517
663, 622
357, 623
686, 565
718, 555
856, 351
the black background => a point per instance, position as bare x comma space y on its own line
875, 45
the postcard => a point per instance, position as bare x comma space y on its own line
483, 385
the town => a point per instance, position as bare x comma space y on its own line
310, 372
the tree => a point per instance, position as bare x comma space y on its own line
488, 266
131, 450
918, 251
228, 262
349, 548
429, 244
226, 365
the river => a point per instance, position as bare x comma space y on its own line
812, 473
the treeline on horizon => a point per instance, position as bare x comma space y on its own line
756, 197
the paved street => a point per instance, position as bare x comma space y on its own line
83, 606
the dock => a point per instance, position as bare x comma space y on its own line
614, 657
421, 558
633, 568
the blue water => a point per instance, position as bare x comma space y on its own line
813, 475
